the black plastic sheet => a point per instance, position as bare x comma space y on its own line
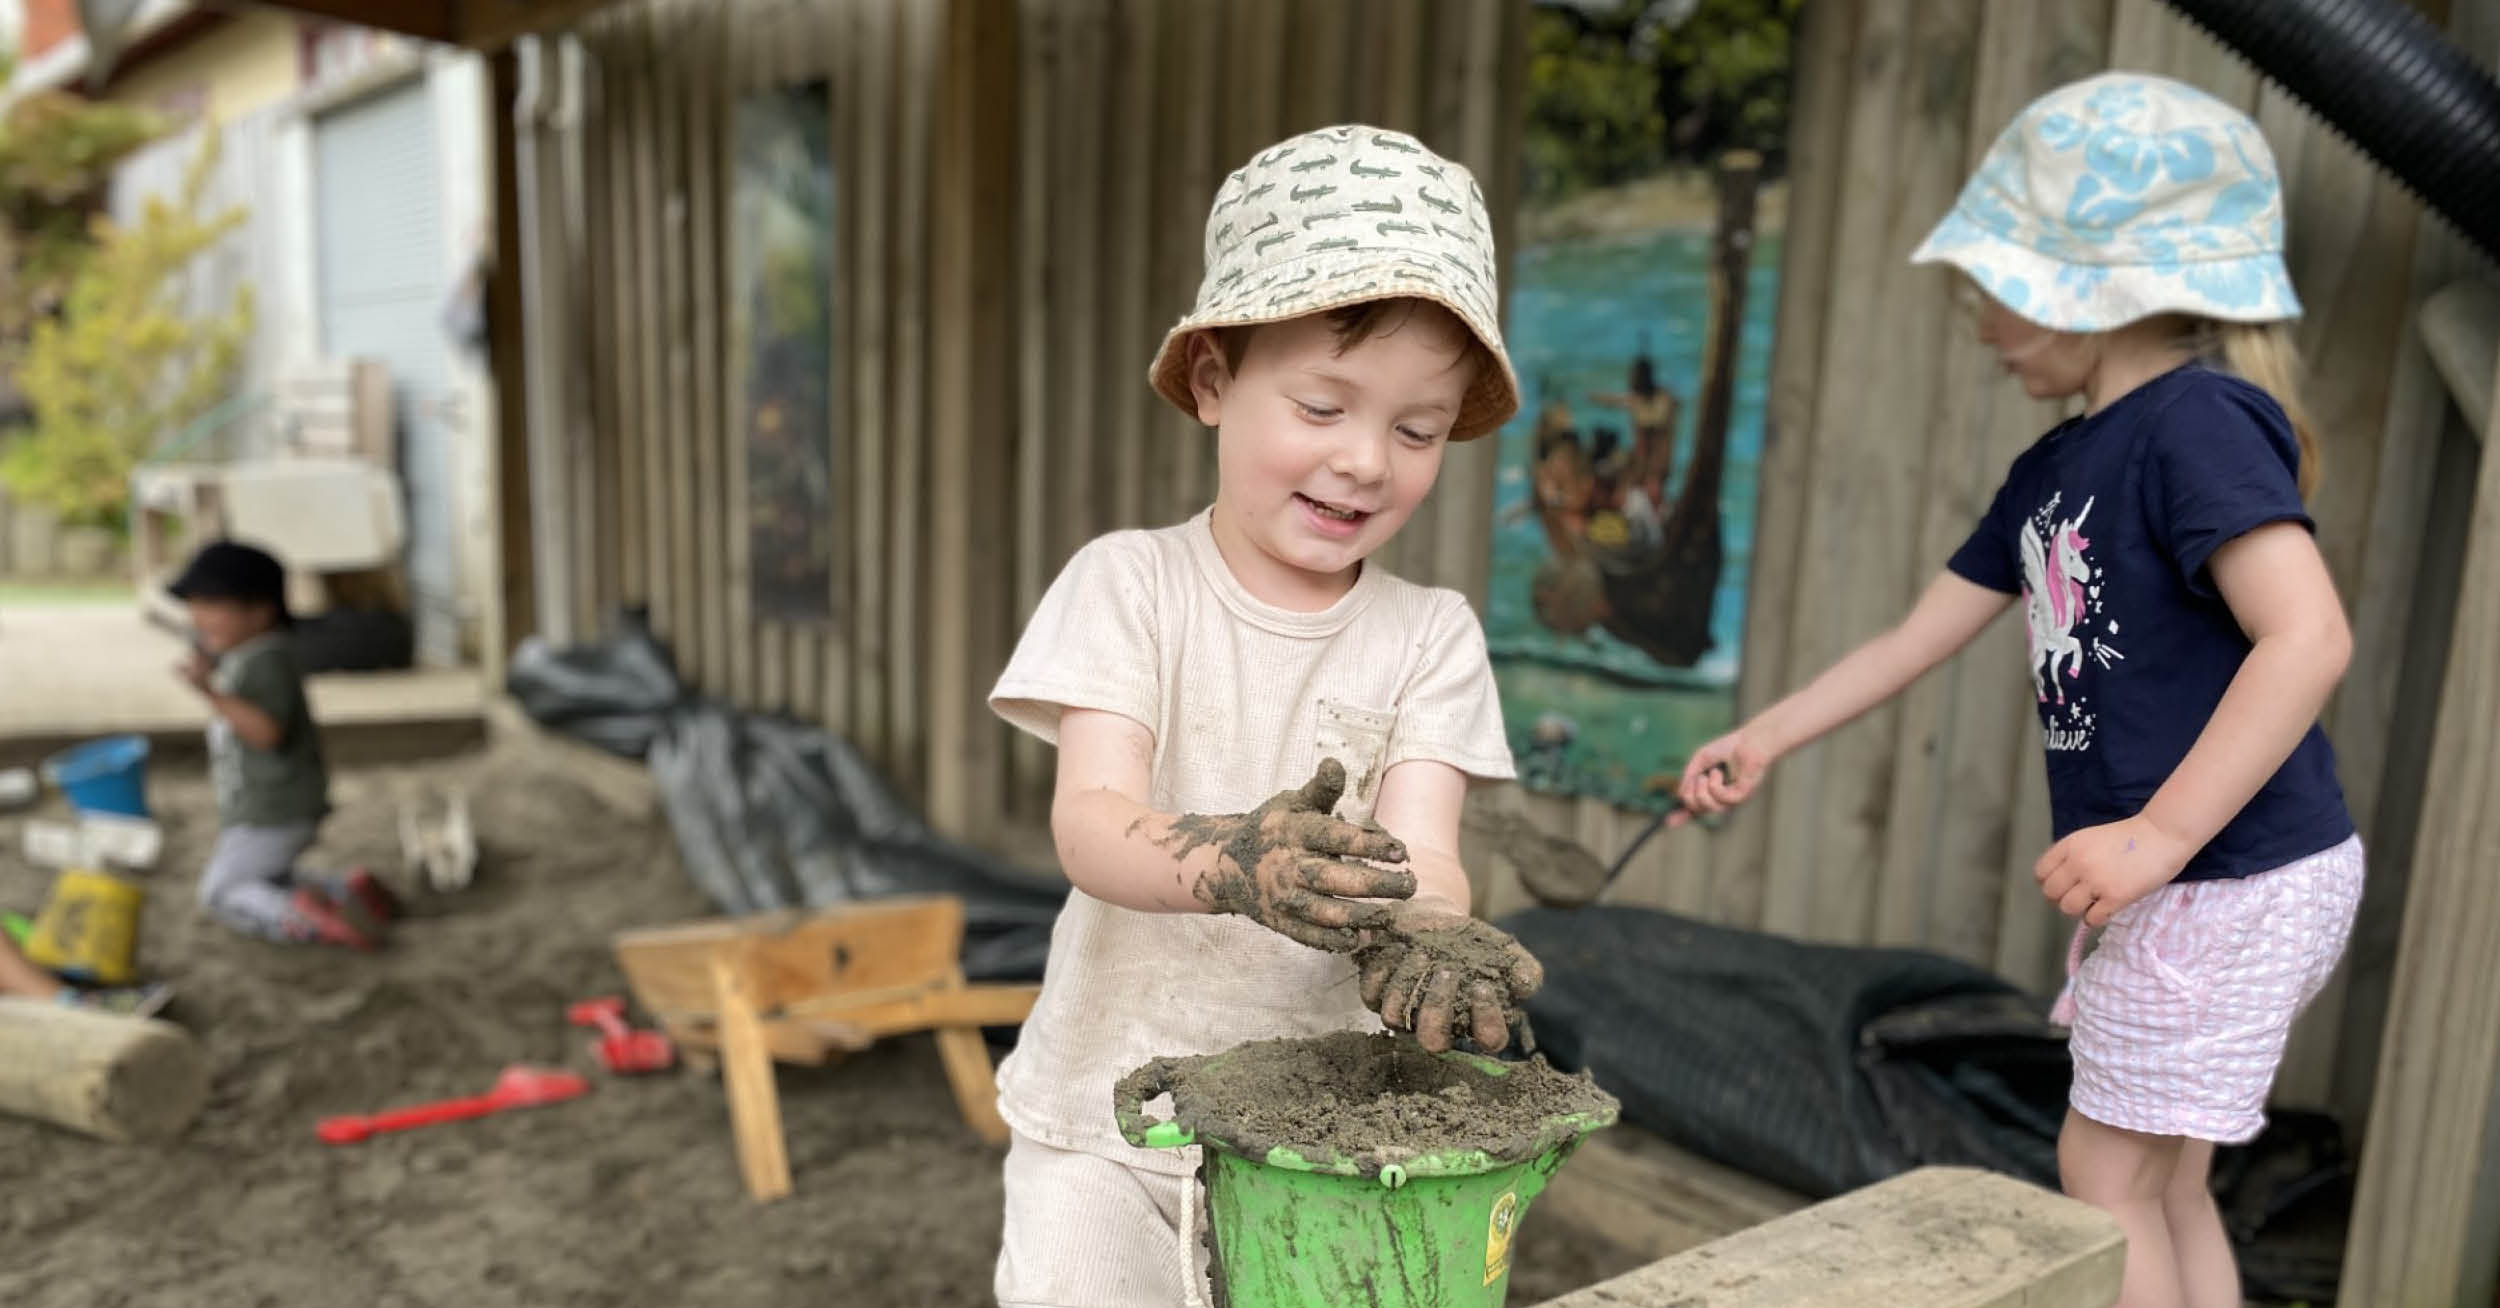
770, 813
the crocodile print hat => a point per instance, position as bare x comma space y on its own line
1337, 217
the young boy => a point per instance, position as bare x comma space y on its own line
273, 788
1344, 334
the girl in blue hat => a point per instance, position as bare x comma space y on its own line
2123, 245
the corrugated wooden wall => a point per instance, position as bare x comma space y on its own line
1916, 826
654, 459
1119, 119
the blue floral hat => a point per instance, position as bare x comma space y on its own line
2119, 197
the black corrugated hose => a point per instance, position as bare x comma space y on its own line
2389, 81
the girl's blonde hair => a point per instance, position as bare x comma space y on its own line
2264, 355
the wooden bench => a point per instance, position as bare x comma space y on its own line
1939, 1237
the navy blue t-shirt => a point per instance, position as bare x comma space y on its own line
2104, 527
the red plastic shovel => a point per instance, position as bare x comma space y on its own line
620, 1048
520, 1086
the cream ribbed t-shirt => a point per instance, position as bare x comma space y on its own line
1244, 699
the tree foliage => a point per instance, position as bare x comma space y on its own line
121, 364
1617, 91
56, 153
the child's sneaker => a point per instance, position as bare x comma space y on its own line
368, 904
319, 919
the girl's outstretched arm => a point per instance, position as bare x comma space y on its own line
1947, 617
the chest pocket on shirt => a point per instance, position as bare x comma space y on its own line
1358, 738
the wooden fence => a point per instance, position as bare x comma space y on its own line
1889, 430
970, 460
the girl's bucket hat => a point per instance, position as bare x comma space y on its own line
1340, 216
2120, 197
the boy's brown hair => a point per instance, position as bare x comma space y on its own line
1357, 323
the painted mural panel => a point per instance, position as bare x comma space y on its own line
1641, 306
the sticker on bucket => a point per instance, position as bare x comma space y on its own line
1497, 1232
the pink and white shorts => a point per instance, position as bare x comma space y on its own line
2183, 1010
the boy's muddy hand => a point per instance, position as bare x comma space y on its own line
1441, 974
1291, 867
194, 670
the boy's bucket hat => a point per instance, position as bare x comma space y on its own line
2120, 197
1340, 216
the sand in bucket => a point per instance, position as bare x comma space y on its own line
1359, 1169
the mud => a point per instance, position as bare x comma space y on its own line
1300, 824
1371, 1100
1476, 952
1455, 981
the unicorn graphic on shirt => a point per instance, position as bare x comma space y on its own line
2054, 577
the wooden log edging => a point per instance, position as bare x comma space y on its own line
116, 1078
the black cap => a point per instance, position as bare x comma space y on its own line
231, 570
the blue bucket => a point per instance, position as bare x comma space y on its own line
104, 776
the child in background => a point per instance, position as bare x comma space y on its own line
1262, 735
2125, 236
273, 788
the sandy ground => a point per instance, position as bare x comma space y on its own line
628, 1196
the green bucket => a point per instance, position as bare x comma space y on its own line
1292, 1226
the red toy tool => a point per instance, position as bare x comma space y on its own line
620, 1048
519, 1087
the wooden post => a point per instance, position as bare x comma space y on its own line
707, 193
871, 155
2426, 1222
537, 511
2460, 323
598, 458
967, 1060
117, 1078
972, 426
910, 465
673, 376
747, 1080
513, 614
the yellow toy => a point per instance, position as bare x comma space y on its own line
88, 933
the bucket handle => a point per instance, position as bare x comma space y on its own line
1128, 1104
